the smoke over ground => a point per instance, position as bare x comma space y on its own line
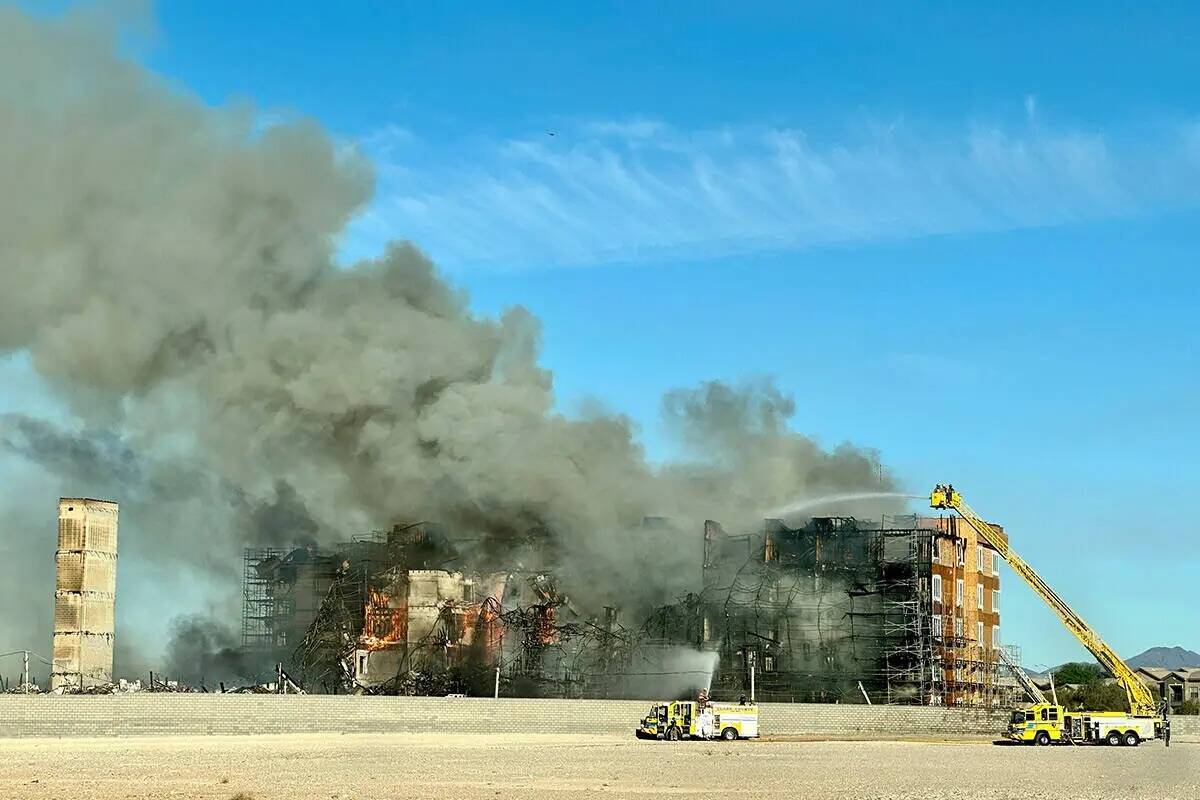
676, 673
205, 652
169, 269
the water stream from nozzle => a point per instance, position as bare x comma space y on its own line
814, 502
713, 659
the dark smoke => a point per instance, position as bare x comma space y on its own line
169, 268
80, 457
203, 653
279, 521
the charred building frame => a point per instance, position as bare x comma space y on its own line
901, 610
843, 609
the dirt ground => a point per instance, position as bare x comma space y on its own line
444, 766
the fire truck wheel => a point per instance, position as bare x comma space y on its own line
673, 734
1132, 739
1113, 738
1042, 739
729, 734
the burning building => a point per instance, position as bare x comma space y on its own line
427, 620
900, 610
838, 610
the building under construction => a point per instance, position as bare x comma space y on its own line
902, 610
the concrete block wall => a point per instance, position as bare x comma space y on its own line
212, 714
863, 720
1185, 729
201, 714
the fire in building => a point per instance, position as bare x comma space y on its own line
85, 590
899, 610
903, 610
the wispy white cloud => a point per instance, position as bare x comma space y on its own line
388, 142
630, 129
641, 189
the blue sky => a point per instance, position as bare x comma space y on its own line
963, 234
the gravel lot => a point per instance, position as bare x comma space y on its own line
444, 766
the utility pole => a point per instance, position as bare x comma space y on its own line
752, 660
25, 654
497, 694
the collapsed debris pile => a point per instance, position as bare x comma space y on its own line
27, 688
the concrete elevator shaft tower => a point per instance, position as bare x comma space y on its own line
84, 595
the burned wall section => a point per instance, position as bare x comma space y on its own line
846, 610
410, 611
356, 614
836, 610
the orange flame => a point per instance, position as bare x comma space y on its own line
385, 621
546, 632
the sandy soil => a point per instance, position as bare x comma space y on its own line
437, 766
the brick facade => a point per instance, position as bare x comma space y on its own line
968, 570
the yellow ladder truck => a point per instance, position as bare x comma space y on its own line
1046, 722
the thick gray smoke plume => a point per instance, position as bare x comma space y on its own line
169, 268
203, 652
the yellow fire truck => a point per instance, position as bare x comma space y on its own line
688, 719
1046, 722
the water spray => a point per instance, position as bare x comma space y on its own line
802, 505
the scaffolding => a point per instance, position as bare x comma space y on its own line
820, 613
975, 675
258, 601
283, 589
909, 661
967, 672
837, 611
331, 637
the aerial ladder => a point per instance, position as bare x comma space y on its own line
1031, 688
1146, 720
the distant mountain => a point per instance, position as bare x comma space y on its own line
1168, 657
